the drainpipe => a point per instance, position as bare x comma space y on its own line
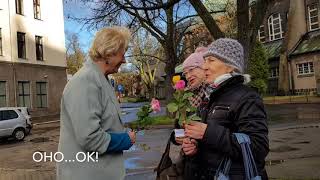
290, 75
12, 61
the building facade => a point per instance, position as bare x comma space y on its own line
291, 35
32, 55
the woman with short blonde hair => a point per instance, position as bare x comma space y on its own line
109, 41
90, 113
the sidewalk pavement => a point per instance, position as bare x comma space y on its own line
26, 174
294, 154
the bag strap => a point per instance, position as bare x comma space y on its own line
224, 166
251, 170
165, 161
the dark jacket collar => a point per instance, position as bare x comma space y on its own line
226, 85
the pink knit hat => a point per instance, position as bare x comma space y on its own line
195, 59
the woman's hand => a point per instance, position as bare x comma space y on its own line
195, 130
189, 146
132, 136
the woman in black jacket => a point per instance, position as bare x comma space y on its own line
233, 108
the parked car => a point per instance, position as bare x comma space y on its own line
26, 113
13, 123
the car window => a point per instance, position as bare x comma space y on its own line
8, 114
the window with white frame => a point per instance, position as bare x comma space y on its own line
275, 28
261, 34
274, 72
3, 94
305, 68
24, 94
313, 17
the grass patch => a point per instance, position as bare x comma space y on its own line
154, 121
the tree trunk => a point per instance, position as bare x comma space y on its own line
151, 92
258, 13
243, 27
283, 82
171, 54
169, 69
208, 20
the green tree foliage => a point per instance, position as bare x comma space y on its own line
258, 68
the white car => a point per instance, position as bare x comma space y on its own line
26, 113
13, 123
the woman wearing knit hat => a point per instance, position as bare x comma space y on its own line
195, 75
233, 108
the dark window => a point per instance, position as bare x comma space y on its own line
3, 96
21, 45
19, 7
24, 94
274, 72
39, 48
8, 114
36, 9
1, 51
42, 95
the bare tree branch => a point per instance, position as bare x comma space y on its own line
165, 6
146, 55
208, 20
197, 15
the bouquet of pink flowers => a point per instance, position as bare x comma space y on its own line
180, 105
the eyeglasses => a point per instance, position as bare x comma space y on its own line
190, 70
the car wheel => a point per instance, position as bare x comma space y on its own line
19, 134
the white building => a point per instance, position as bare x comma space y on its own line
32, 55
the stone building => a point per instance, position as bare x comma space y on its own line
291, 35
32, 55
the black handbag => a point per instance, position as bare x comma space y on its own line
166, 169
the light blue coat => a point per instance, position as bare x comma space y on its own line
89, 110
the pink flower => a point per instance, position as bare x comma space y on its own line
155, 105
180, 85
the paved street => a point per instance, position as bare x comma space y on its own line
294, 152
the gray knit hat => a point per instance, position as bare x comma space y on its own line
229, 51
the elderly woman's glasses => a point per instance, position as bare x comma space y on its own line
189, 71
